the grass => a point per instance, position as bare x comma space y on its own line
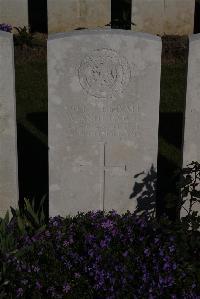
31, 96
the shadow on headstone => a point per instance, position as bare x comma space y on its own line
145, 192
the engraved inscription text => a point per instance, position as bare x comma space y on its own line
114, 121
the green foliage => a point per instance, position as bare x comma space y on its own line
26, 222
7, 244
29, 220
23, 37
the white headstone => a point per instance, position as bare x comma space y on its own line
104, 90
8, 142
14, 12
191, 147
172, 17
179, 17
71, 14
148, 15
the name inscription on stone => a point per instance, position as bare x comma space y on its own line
101, 122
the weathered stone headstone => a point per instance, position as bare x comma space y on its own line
72, 14
148, 15
104, 90
179, 17
172, 17
14, 12
8, 142
191, 147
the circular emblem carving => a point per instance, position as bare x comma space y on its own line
104, 73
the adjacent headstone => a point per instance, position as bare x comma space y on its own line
179, 17
72, 14
104, 90
191, 147
148, 15
14, 12
172, 17
8, 142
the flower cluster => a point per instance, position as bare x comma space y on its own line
98, 255
5, 27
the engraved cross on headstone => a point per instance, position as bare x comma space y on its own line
120, 170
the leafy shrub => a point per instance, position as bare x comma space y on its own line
5, 27
23, 37
23, 222
104, 255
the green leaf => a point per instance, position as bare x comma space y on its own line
13, 211
21, 225
31, 211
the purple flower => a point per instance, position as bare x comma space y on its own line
114, 231
89, 238
107, 224
36, 269
166, 266
5, 27
58, 235
66, 243
104, 243
193, 285
20, 292
47, 233
77, 275
174, 266
172, 248
156, 240
90, 252
38, 285
161, 252
66, 288
146, 252
24, 281
145, 277
125, 254
68, 264
113, 213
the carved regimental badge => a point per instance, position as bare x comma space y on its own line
104, 73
